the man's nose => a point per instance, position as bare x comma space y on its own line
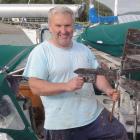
63, 29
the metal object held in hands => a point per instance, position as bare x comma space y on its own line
89, 75
112, 111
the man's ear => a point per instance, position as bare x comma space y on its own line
49, 27
50, 30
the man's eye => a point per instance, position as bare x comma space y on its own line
67, 25
58, 25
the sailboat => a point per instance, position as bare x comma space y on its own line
106, 37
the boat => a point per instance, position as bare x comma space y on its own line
13, 123
108, 38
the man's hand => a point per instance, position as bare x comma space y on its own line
75, 83
113, 94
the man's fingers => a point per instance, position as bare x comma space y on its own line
76, 83
114, 94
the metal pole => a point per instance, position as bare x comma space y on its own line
29, 1
53, 2
116, 8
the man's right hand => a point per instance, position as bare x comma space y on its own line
75, 83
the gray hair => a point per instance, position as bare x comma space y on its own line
60, 9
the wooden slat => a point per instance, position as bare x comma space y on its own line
113, 62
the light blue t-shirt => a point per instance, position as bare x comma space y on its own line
69, 109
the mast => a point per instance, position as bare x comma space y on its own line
91, 5
53, 2
116, 8
28, 1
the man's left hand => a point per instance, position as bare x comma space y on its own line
113, 93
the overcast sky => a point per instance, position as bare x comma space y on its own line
124, 6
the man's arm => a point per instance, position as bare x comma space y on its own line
103, 85
45, 88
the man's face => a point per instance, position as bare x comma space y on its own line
61, 27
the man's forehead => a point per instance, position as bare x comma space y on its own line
58, 14
62, 18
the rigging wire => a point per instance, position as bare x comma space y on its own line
98, 9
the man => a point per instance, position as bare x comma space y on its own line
71, 109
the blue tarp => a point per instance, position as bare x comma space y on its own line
95, 18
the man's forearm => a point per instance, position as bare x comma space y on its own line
45, 88
103, 84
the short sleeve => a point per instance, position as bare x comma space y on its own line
36, 65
